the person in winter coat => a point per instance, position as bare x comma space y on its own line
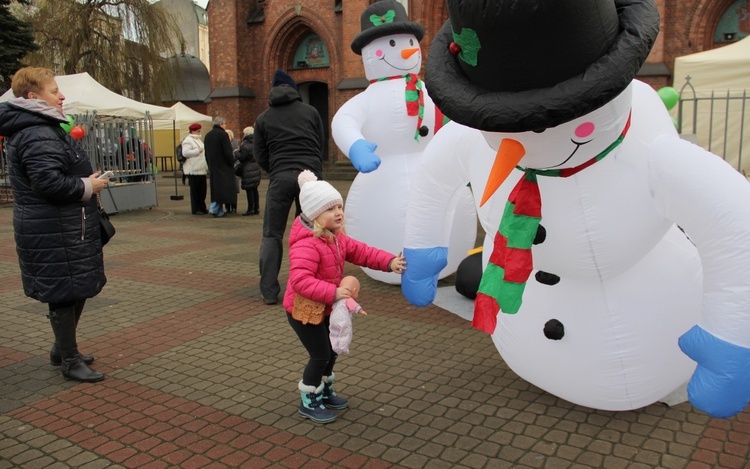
221, 168
55, 217
250, 172
289, 138
195, 168
235, 146
318, 248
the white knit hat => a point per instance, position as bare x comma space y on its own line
316, 196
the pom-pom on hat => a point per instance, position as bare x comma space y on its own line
316, 196
283, 78
194, 127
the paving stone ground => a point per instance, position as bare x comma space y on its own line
200, 373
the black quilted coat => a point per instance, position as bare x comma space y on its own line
55, 219
250, 167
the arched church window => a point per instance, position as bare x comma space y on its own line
734, 24
311, 53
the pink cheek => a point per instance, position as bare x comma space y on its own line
584, 130
378, 53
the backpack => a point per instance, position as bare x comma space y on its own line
178, 152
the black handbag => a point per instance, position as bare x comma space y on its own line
106, 228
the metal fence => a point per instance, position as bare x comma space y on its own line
718, 122
121, 145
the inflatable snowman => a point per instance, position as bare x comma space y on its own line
396, 116
612, 245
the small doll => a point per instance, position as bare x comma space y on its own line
340, 327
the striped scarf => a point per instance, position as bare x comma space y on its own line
510, 264
413, 95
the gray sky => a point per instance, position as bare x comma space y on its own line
201, 3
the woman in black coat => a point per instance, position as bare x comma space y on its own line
220, 168
55, 217
250, 172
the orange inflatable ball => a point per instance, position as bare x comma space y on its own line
77, 132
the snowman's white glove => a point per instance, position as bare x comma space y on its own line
419, 281
720, 385
363, 157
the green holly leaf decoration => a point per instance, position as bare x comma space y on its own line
388, 17
468, 40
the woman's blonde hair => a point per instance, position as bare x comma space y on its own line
248, 131
30, 79
230, 133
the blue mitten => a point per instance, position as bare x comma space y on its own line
720, 385
363, 157
419, 281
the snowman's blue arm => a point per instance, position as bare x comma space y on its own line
419, 281
720, 385
363, 157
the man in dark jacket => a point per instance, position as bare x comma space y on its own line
220, 161
289, 138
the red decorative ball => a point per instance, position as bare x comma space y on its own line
77, 132
454, 48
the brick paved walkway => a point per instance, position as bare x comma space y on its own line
200, 373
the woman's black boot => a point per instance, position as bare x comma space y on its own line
55, 359
63, 321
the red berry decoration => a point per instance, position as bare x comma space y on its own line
77, 132
454, 48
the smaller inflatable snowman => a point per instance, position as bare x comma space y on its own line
395, 117
617, 255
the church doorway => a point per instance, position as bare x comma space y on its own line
315, 94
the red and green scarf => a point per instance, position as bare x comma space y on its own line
413, 95
510, 263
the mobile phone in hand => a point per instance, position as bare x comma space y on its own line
106, 175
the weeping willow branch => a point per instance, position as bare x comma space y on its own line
123, 44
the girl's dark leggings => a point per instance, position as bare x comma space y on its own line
318, 344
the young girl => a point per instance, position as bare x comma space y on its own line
318, 248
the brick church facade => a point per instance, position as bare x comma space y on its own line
310, 39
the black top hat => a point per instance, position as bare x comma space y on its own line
514, 66
384, 18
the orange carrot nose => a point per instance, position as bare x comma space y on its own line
508, 155
406, 53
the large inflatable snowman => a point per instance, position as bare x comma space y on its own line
384, 130
612, 245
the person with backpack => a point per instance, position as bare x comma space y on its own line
196, 168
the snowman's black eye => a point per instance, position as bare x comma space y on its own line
392, 43
538, 131
411, 42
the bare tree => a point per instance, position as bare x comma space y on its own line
121, 43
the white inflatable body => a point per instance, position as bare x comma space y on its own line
376, 202
630, 281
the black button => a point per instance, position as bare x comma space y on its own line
541, 235
546, 278
554, 329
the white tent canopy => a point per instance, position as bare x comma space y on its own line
83, 93
715, 113
184, 116
722, 69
